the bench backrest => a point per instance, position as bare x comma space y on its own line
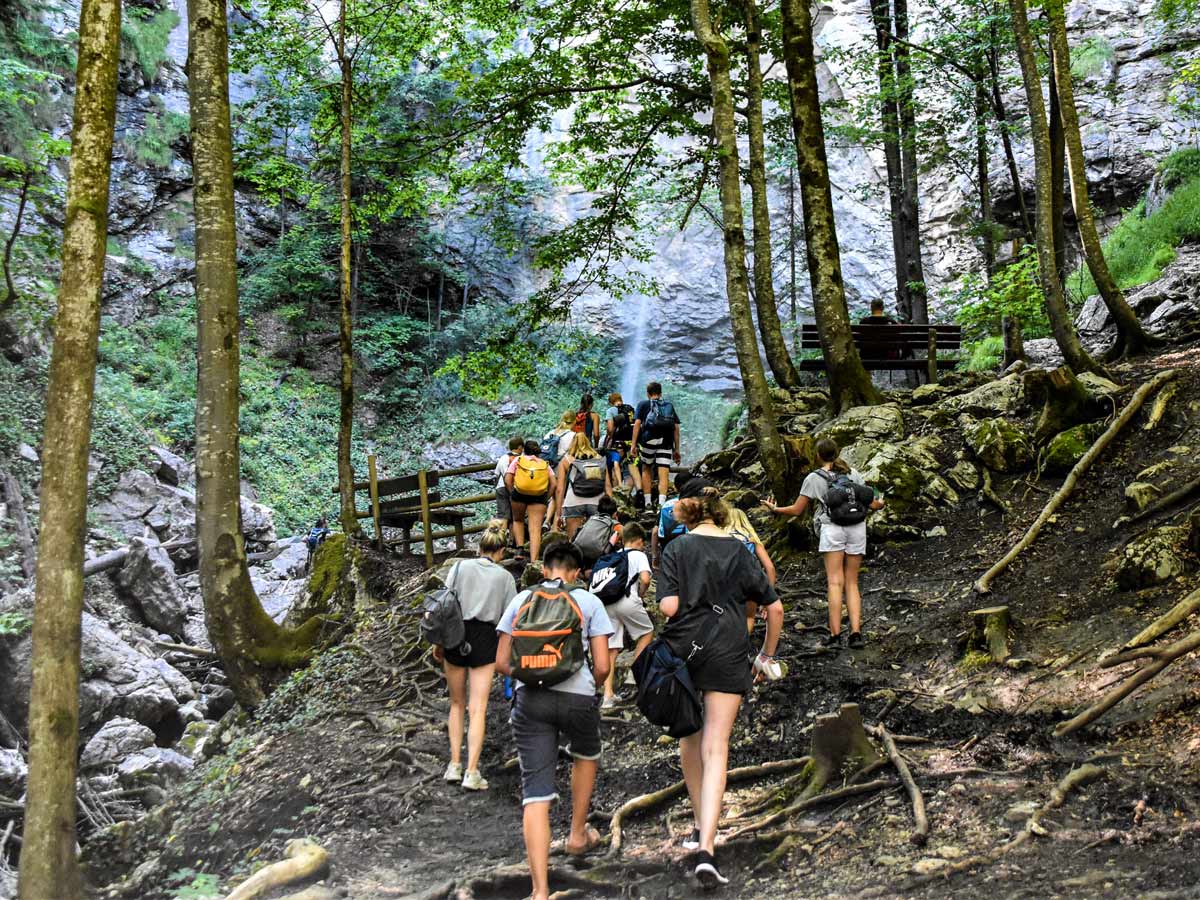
916, 337
405, 484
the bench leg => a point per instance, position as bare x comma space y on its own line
933, 367
407, 541
460, 539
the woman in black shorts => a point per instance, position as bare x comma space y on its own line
708, 585
484, 589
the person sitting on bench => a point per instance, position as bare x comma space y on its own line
880, 348
877, 315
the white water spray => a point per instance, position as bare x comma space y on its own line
635, 352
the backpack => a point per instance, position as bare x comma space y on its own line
532, 478
549, 451
587, 477
623, 423
581, 419
847, 501
547, 637
665, 693
661, 419
442, 619
610, 577
592, 539
315, 536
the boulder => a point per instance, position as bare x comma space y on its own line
172, 468
907, 475
1002, 397
924, 394
1043, 353
873, 423
964, 475
290, 563
1067, 447
1153, 557
1170, 306
173, 517
13, 772
194, 737
258, 522
1094, 316
147, 581
154, 771
1139, 495
135, 495
116, 739
1000, 445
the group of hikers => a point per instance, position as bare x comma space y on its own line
559, 640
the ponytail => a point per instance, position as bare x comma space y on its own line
495, 536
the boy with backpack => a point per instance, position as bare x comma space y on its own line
503, 496
547, 635
656, 435
621, 580
618, 437
598, 534
843, 503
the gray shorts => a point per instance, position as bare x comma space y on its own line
503, 504
849, 539
629, 615
539, 716
585, 511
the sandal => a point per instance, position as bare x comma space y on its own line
593, 841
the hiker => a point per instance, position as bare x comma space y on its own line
531, 483
656, 435
843, 533
554, 446
708, 585
877, 315
599, 534
315, 538
587, 421
556, 695
484, 589
669, 527
628, 610
880, 348
743, 529
618, 438
582, 481
503, 498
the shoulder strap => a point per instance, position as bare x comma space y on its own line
453, 576
827, 475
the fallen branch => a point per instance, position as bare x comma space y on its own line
853, 790
304, 859
1162, 658
984, 584
186, 648
921, 821
649, 801
114, 558
1179, 494
1164, 623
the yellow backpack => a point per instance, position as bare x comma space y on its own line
532, 477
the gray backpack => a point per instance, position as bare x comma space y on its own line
442, 618
593, 538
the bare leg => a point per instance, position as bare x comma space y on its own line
642, 643
537, 846
664, 474
537, 515
720, 712
693, 770
583, 780
518, 522
613, 653
573, 526
481, 687
853, 595
456, 681
646, 473
835, 576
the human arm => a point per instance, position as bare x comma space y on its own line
643, 583
637, 430
796, 509
668, 582
600, 657
439, 653
669, 605
559, 489
768, 565
504, 654
774, 629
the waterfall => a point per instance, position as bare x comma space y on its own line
635, 351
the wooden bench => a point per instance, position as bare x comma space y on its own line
892, 347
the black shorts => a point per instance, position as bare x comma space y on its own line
723, 664
483, 639
539, 717
530, 499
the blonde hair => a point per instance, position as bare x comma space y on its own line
581, 447
708, 505
495, 537
739, 524
567, 420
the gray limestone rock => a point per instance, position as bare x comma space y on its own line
147, 581
116, 739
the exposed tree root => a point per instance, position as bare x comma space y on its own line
920, 820
304, 859
853, 790
1159, 409
1162, 657
1167, 621
984, 584
649, 801
1166, 502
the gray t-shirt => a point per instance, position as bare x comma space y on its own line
483, 588
595, 624
815, 488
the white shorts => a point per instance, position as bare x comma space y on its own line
628, 615
850, 539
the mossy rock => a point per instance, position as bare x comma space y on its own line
879, 423
1139, 495
1153, 557
742, 498
1003, 396
1068, 447
1000, 445
330, 563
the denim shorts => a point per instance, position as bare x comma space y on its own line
539, 717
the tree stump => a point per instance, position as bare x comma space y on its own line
1067, 402
989, 632
839, 742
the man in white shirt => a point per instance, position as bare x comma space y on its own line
629, 614
503, 497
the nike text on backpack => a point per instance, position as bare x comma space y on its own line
532, 477
661, 419
442, 619
547, 637
549, 449
665, 694
593, 539
847, 501
587, 477
610, 577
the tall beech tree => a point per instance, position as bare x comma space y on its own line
48, 863
758, 396
849, 383
346, 508
881, 19
910, 206
1061, 322
252, 647
769, 326
1131, 336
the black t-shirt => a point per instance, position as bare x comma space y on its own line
877, 320
706, 571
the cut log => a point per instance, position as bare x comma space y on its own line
115, 558
989, 632
839, 743
304, 859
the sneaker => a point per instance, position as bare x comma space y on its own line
707, 873
473, 781
856, 641
692, 841
832, 641
454, 772
608, 703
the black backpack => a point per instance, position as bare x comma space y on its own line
587, 477
623, 423
665, 694
610, 577
847, 501
442, 618
661, 419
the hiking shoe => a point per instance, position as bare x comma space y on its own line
856, 641
692, 841
832, 641
454, 772
707, 873
608, 703
473, 781
639, 500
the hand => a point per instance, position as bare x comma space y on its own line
562, 524
767, 668
439, 653
769, 503
675, 456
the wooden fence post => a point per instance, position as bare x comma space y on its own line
932, 362
373, 484
426, 524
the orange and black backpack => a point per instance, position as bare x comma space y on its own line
547, 637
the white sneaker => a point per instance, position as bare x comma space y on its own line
454, 772
608, 703
473, 781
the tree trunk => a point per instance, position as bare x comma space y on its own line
849, 383
48, 864
1131, 337
1058, 185
758, 395
792, 249
986, 226
1010, 156
1014, 340
769, 326
345, 465
910, 207
10, 289
247, 640
1056, 306
881, 18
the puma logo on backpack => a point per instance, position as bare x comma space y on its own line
532, 477
547, 637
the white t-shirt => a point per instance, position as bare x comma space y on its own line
638, 563
502, 465
564, 443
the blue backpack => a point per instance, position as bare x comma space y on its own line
661, 419
666, 695
549, 451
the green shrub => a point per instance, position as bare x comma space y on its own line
983, 355
153, 146
1180, 167
1090, 56
144, 38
